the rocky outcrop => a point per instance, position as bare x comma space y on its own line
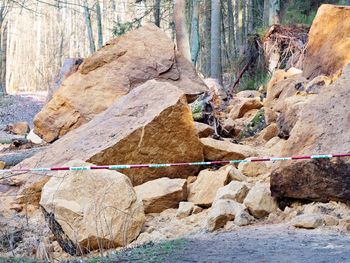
328, 48
202, 192
112, 72
225, 150
322, 127
152, 124
87, 211
161, 194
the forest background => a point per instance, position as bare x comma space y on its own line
221, 38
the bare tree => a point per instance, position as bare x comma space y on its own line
182, 38
216, 65
157, 12
195, 43
87, 17
99, 24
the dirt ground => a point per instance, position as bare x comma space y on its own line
270, 244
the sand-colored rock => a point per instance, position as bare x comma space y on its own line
202, 192
248, 94
121, 65
322, 128
259, 201
152, 124
203, 130
307, 221
269, 132
242, 105
185, 209
235, 191
87, 211
223, 211
161, 194
18, 128
253, 169
328, 48
225, 150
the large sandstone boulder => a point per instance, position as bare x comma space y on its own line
121, 65
161, 194
322, 128
202, 192
92, 210
152, 124
328, 49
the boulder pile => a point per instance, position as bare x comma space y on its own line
128, 104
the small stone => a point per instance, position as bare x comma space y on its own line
243, 218
197, 210
161, 194
19, 128
330, 220
221, 212
259, 201
235, 190
307, 221
185, 209
202, 192
235, 174
253, 169
2, 165
203, 130
32, 137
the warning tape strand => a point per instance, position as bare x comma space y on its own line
162, 165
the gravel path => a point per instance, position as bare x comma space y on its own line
270, 244
15, 108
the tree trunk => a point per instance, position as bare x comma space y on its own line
238, 28
2, 58
182, 39
266, 13
215, 67
195, 44
274, 9
244, 23
99, 24
157, 13
250, 16
89, 28
231, 28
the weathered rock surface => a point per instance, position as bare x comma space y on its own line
161, 194
307, 221
2, 165
152, 124
328, 48
223, 211
202, 192
235, 191
253, 169
224, 150
185, 209
121, 65
242, 105
259, 201
323, 127
204, 130
87, 211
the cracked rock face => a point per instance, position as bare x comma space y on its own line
121, 65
